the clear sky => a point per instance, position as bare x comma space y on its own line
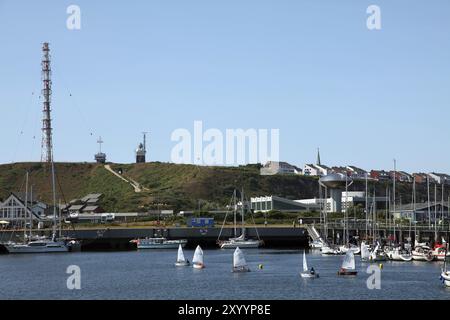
309, 68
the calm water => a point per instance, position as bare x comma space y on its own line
152, 275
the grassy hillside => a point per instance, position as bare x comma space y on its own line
179, 187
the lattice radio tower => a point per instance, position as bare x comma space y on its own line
47, 143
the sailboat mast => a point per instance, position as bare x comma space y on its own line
31, 212
347, 237
413, 215
367, 205
374, 214
54, 198
442, 206
59, 216
393, 212
234, 211
435, 212
428, 199
242, 213
26, 209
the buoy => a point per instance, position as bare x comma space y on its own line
261, 267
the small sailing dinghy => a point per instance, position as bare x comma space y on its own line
365, 252
445, 275
307, 273
197, 261
377, 255
181, 260
348, 267
239, 262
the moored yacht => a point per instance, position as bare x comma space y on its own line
159, 243
241, 241
422, 253
38, 246
398, 254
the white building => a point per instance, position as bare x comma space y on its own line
353, 198
274, 167
440, 178
14, 211
316, 170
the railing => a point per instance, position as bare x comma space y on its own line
361, 225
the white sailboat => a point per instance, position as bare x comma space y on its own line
241, 241
181, 260
422, 253
445, 275
377, 255
42, 245
307, 273
239, 262
365, 252
398, 254
348, 267
197, 260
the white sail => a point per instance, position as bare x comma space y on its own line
375, 252
198, 256
181, 257
305, 263
239, 259
365, 253
349, 261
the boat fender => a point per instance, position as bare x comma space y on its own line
381, 266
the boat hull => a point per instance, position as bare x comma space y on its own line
347, 273
242, 245
422, 257
400, 257
24, 249
182, 264
145, 245
446, 278
308, 275
198, 266
241, 270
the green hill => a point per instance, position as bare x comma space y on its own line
165, 186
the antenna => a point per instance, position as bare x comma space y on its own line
47, 144
100, 141
145, 140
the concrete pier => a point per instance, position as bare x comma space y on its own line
119, 238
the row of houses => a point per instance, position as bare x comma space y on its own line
14, 211
319, 170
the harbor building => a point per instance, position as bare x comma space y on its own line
348, 200
89, 204
274, 167
424, 212
440, 178
14, 211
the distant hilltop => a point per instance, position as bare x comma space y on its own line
158, 186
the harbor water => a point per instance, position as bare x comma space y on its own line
152, 275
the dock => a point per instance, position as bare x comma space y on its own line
111, 239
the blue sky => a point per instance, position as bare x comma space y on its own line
309, 68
